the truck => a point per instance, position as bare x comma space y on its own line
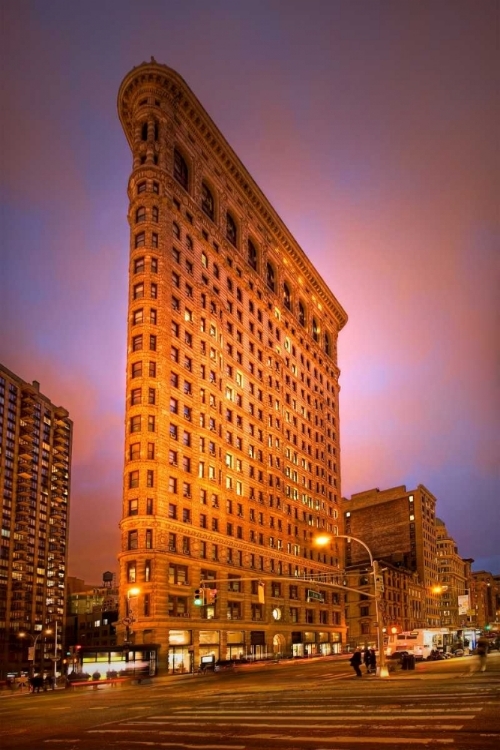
420, 642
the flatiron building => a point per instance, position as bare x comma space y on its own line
232, 458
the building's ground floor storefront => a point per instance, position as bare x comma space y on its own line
188, 650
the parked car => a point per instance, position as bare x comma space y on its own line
397, 655
223, 664
458, 652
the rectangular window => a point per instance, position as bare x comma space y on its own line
133, 507
131, 571
138, 291
135, 396
137, 316
135, 423
135, 452
132, 541
139, 265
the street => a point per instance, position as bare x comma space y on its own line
297, 705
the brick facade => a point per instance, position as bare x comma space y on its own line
232, 425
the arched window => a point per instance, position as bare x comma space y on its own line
327, 344
155, 214
287, 298
252, 255
140, 214
144, 131
315, 330
231, 231
181, 173
207, 202
270, 279
302, 314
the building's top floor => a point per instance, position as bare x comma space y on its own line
421, 496
32, 391
155, 91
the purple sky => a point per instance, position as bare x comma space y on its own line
373, 128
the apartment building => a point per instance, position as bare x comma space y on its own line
35, 470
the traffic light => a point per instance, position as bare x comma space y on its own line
395, 629
212, 597
199, 597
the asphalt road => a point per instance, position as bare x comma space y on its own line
303, 705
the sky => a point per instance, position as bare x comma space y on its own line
373, 128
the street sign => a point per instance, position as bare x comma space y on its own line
314, 596
379, 584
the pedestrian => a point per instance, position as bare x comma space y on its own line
49, 683
373, 661
366, 660
355, 662
482, 651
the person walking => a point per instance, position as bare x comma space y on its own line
482, 651
355, 662
373, 661
366, 660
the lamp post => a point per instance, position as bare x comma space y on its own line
377, 588
32, 649
129, 619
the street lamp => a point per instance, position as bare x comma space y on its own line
32, 649
321, 540
129, 619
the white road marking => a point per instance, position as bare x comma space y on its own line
322, 715
352, 740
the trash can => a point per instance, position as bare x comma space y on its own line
404, 661
411, 661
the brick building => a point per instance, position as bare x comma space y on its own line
401, 604
398, 525
454, 580
232, 424
35, 468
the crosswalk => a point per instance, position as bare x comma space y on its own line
318, 722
